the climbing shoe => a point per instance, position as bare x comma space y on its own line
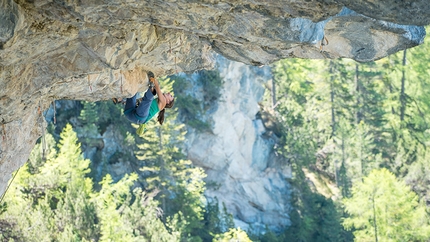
118, 100
141, 129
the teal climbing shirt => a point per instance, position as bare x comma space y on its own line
153, 110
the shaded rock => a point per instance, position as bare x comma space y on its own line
401, 12
9, 18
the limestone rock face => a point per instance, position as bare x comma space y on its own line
93, 50
238, 155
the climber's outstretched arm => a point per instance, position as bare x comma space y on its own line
161, 97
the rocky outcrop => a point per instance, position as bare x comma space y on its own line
238, 155
94, 50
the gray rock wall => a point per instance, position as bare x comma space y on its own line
238, 157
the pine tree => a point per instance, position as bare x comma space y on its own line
53, 200
90, 120
41, 152
232, 235
89, 114
179, 184
126, 216
296, 81
382, 208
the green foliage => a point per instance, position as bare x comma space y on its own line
42, 151
232, 235
199, 125
179, 185
180, 84
191, 108
216, 221
9, 231
418, 173
383, 208
53, 197
192, 111
314, 217
111, 197
297, 106
55, 201
226, 219
345, 119
212, 83
126, 216
212, 220
89, 114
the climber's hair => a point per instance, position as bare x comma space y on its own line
160, 117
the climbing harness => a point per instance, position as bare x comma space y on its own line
323, 44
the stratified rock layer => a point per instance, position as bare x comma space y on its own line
93, 50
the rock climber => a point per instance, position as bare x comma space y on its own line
148, 106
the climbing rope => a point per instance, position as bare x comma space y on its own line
89, 83
55, 119
121, 82
7, 188
323, 44
39, 110
171, 51
4, 132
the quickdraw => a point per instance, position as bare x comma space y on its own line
39, 110
3, 132
121, 82
322, 43
53, 105
171, 52
89, 84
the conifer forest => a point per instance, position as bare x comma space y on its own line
362, 128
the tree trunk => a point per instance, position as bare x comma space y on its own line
374, 219
390, 87
162, 176
333, 120
273, 93
357, 93
402, 90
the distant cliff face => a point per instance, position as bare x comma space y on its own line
96, 50
238, 153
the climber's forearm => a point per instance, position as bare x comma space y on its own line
161, 98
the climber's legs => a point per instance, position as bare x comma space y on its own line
143, 109
130, 110
130, 103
